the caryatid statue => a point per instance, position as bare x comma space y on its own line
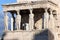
46, 18
31, 20
6, 22
18, 21
52, 26
51, 20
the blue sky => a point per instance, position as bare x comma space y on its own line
2, 14
6, 1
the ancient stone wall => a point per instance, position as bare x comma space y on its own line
26, 35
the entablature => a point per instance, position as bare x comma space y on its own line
33, 5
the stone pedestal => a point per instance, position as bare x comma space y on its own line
25, 35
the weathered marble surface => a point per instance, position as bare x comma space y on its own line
26, 35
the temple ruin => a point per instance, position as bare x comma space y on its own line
32, 18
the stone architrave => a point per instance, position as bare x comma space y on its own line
18, 21
11, 24
6, 22
31, 20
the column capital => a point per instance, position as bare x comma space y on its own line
31, 11
50, 10
54, 12
5, 13
46, 9
18, 11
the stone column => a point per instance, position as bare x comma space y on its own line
46, 18
52, 27
13, 20
6, 21
51, 21
18, 20
31, 20
11, 24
